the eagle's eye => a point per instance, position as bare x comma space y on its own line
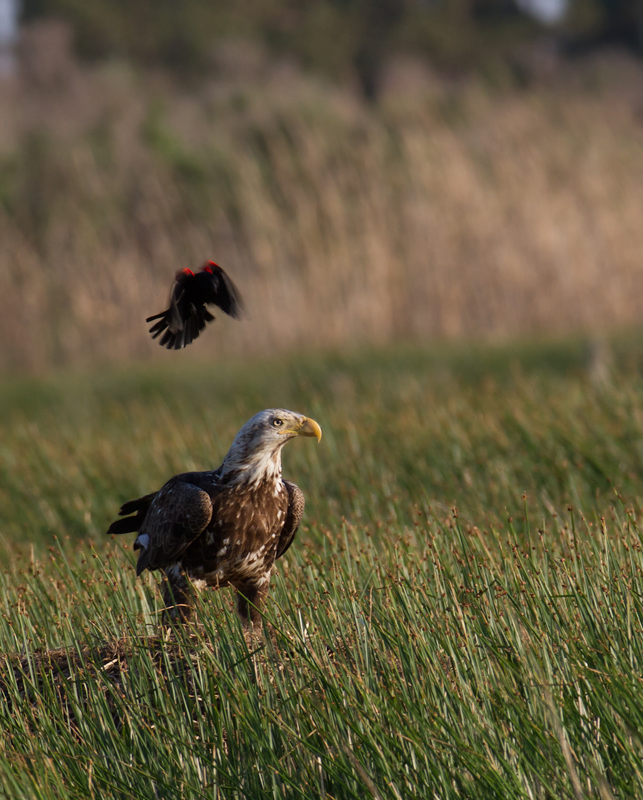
277, 422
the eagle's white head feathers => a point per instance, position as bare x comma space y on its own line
255, 454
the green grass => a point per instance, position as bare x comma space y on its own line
461, 615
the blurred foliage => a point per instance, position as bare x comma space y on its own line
454, 211
339, 38
606, 22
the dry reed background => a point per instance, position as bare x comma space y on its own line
452, 210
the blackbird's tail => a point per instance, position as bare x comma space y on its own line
191, 327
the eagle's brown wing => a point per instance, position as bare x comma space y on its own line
177, 515
293, 517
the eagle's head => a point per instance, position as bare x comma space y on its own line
255, 454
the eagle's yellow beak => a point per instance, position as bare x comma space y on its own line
310, 428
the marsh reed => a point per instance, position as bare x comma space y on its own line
451, 211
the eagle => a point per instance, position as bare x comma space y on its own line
226, 527
187, 315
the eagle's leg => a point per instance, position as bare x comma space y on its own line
250, 600
178, 595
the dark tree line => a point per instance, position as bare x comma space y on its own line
334, 37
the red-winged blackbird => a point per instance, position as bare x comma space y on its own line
187, 315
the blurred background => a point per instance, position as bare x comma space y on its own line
368, 171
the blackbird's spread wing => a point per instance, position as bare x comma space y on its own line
218, 288
293, 517
187, 314
173, 519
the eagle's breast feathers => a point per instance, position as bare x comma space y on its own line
241, 542
219, 533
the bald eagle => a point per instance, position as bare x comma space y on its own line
187, 315
226, 527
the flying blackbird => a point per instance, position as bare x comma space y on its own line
187, 315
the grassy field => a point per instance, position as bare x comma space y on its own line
461, 615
